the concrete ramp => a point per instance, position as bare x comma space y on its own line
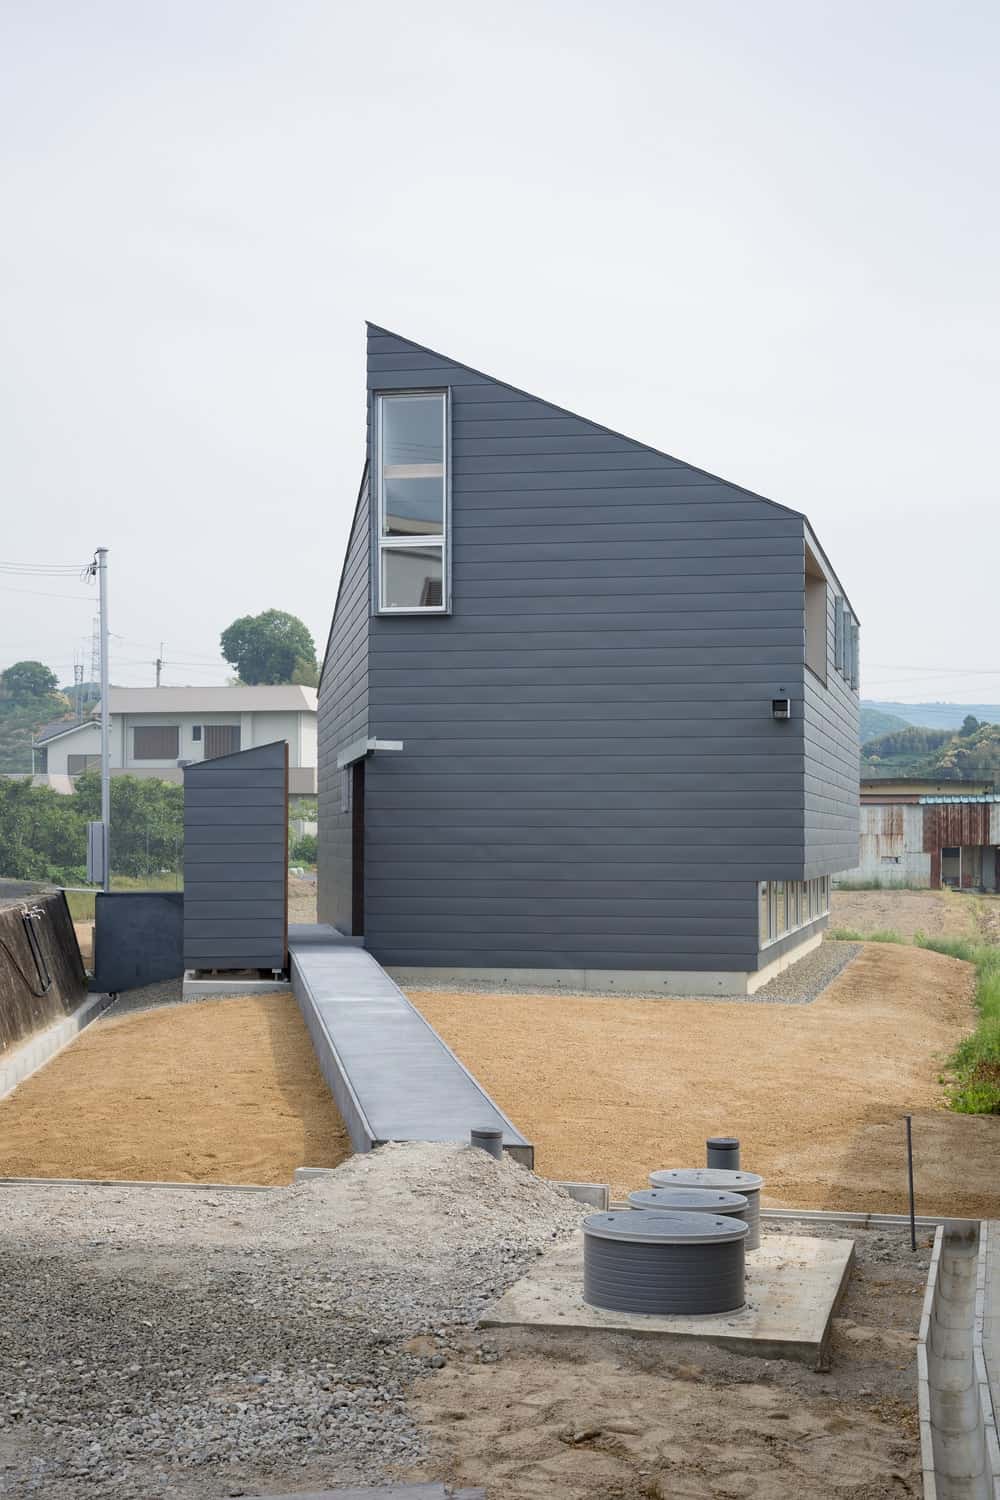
391, 1074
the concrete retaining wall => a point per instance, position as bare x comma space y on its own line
37, 990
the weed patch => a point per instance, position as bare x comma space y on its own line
851, 935
976, 1061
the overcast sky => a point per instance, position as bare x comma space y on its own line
763, 237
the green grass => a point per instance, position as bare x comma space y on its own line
975, 1065
851, 935
81, 903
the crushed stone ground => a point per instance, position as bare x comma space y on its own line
194, 1344
164, 1343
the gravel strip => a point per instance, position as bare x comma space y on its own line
205, 1344
805, 981
800, 984
148, 997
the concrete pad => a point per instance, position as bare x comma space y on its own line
793, 1286
597, 1194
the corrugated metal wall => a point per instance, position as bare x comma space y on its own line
236, 860
953, 824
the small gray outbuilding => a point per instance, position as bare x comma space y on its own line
588, 714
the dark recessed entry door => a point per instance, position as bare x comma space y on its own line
221, 739
358, 849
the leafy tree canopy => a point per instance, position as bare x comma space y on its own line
29, 679
969, 725
270, 647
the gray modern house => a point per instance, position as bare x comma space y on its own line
588, 715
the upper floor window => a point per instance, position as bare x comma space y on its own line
815, 602
155, 742
411, 447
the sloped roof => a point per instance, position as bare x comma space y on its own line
379, 328
60, 727
282, 698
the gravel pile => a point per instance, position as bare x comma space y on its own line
199, 1343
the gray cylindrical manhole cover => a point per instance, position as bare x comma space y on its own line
640, 1262
713, 1179
685, 1200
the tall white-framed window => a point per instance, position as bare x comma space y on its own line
411, 448
786, 905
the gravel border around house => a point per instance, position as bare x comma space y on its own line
800, 984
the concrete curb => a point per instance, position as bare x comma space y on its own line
40, 1049
959, 1452
135, 1182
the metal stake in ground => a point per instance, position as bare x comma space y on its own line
723, 1152
909, 1168
488, 1139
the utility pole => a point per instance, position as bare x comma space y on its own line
158, 664
102, 577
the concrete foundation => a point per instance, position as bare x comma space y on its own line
793, 1286
671, 983
219, 989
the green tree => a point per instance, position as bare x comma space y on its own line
147, 821
29, 679
270, 647
969, 725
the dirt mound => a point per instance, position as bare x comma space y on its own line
608, 1089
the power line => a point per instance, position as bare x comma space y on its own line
10, 588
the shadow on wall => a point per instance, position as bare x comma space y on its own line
42, 977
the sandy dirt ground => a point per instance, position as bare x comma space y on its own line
301, 899
608, 1089
221, 1091
936, 913
604, 1417
85, 937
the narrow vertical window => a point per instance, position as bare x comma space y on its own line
411, 445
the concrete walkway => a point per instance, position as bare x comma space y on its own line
391, 1074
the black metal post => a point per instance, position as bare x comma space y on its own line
909, 1169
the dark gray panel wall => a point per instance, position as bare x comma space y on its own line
236, 860
343, 718
138, 938
832, 762
591, 773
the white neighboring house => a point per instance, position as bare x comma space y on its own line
153, 730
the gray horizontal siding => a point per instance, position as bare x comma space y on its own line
235, 860
832, 756
591, 773
343, 718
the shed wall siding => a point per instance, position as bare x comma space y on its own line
236, 860
343, 718
591, 776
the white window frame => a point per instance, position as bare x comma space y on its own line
809, 900
383, 543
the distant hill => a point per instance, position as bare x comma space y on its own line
932, 715
970, 754
874, 721
19, 723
